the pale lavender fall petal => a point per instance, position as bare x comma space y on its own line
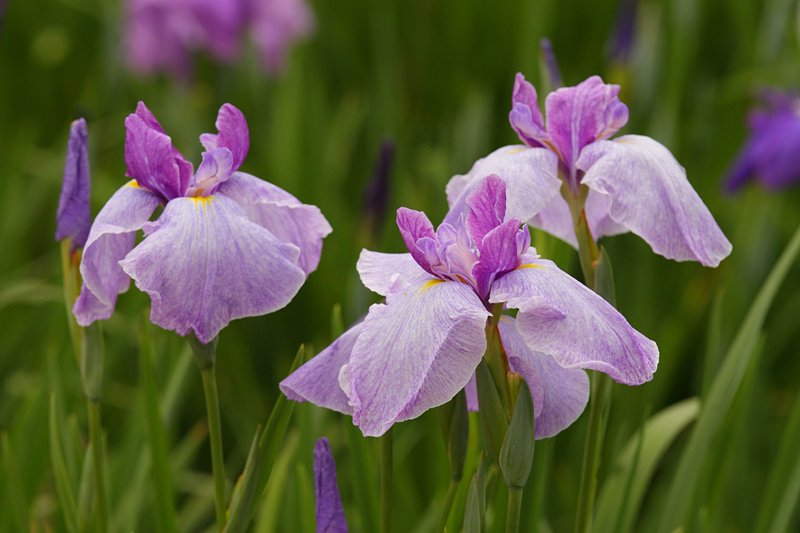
74, 218
276, 25
222, 266
328, 511
531, 175
525, 115
561, 317
112, 236
414, 353
556, 219
317, 381
282, 214
233, 134
487, 207
389, 273
559, 394
651, 196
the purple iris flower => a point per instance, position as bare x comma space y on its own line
227, 245
74, 217
631, 183
420, 347
161, 35
329, 512
770, 153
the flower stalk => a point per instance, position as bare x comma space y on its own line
91, 361
386, 482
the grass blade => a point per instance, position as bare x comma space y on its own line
66, 498
13, 490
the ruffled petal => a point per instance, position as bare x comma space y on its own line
317, 381
418, 235
414, 353
233, 134
389, 273
204, 263
563, 318
487, 207
499, 253
531, 176
559, 394
329, 512
525, 115
74, 217
650, 195
282, 214
112, 236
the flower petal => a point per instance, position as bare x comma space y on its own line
487, 207
282, 214
650, 195
531, 176
563, 318
559, 394
317, 381
389, 273
233, 134
414, 353
525, 115
329, 512
74, 217
112, 236
203, 263
415, 227
499, 253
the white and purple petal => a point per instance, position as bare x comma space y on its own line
650, 195
112, 236
204, 263
487, 207
563, 318
525, 116
389, 273
282, 214
415, 352
317, 381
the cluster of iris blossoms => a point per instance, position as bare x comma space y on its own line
161, 35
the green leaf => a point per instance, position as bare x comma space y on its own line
14, 490
66, 498
721, 395
454, 421
637, 462
244, 493
713, 345
493, 417
86, 492
516, 455
475, 509
604, 278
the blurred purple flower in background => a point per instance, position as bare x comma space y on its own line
227, 245
770, 154
620, 46
631, 183
329, 512
162, 35
421, 347
74, 218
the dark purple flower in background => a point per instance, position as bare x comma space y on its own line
74, 218
162, 35
623, 35
770, 154
227, 245
329, 512
631, 183
421, 347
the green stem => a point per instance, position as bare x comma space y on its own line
601, 386
95, 434
452, 490
215, 435
72, 282
386, 482
514, 507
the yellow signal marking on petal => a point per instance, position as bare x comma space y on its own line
205, 200
430, 284
517, 150
529, 265
134, 184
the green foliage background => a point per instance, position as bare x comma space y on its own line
436, 76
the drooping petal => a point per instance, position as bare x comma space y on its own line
204, 263
531, 176
74, 217
559, 394
487, 207
580, 115
112, 236
233, 134
563, 318
328, 511
389, 273
152, 160
415, 352
650, 195
525, 115
317, 381
415, 227
556, 220
282, 214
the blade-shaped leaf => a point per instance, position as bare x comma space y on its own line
66, 498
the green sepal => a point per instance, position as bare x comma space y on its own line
516, 455
454, 420
604, 278
205, 354
493, 416
93, 350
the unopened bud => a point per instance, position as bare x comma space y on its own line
516, 455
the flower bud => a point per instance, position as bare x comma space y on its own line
454, 420
516, 455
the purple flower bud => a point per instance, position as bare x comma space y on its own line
329, 511
549, 57
621, 43
376, 193
73, 218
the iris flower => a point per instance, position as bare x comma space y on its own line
770, 153
630, 183
161, 35
329, 512
420, 347
227, 244
74, 218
